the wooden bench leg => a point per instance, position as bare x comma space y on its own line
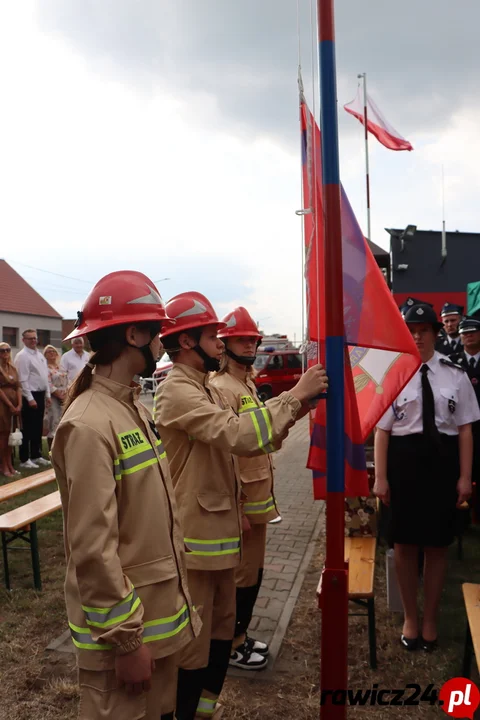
5, 561
37, 580
372, 633
467, 654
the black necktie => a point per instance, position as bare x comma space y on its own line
430, 429
472, 363
453, 345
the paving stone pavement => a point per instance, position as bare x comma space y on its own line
290, 545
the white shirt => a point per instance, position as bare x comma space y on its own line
454, 396
32, 372
73, 363
469, 357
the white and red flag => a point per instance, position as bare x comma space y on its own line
376, 123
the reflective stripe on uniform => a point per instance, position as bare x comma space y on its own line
133, 463
105, 617
223, 546
206, 706
82, 639
257, 508
152, 630
160, 448
166, 627
261, 421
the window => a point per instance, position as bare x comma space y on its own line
10, 336
261, 361
275, 362
294, 362
43, 337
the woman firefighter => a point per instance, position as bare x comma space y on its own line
128, 605
203, 437
241, 339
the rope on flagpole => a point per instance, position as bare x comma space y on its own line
303, 211
314, 61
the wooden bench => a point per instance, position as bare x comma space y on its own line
21, 524
18, 487
471, 597
360, 555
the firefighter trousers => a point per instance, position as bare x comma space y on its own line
204, 662
248, 578
100, 699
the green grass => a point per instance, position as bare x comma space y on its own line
39, 684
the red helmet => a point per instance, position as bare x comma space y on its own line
187, 311
121, 297
239, 323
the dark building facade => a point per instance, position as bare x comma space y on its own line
382, 258
420, 270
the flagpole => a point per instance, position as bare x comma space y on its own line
367, 164
334, 581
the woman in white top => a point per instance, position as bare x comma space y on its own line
423, 465
57, 380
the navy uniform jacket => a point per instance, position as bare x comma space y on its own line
474, 375
444, 346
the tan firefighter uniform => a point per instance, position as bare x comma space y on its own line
126, 577
256, 474
202, 435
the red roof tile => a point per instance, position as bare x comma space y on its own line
17, 296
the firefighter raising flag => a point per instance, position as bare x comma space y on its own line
376, 123
381, 352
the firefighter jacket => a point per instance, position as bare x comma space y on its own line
126, 575
256, 473
202, 434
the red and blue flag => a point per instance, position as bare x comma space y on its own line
381, 355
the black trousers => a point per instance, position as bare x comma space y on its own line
246, 599
32, 422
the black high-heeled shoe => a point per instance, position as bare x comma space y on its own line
409, 643
428, 645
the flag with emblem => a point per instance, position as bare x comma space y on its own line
380, 352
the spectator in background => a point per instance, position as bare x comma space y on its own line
448, 343
74, 360
10, 406
57, 379
33, 375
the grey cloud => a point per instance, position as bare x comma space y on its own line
421, 55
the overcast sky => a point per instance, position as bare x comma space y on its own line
163, 136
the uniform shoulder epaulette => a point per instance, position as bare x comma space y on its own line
447, 361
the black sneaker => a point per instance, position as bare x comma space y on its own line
257, 646
244, 659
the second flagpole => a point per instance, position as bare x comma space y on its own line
363, 76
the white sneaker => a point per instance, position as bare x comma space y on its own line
275, 521
41, 461
29, 465
245, 659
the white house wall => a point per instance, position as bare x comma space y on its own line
37, 322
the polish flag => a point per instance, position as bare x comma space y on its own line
377, 124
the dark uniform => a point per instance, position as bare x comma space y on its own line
410, 302
471, 365
423, 467
446, 344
